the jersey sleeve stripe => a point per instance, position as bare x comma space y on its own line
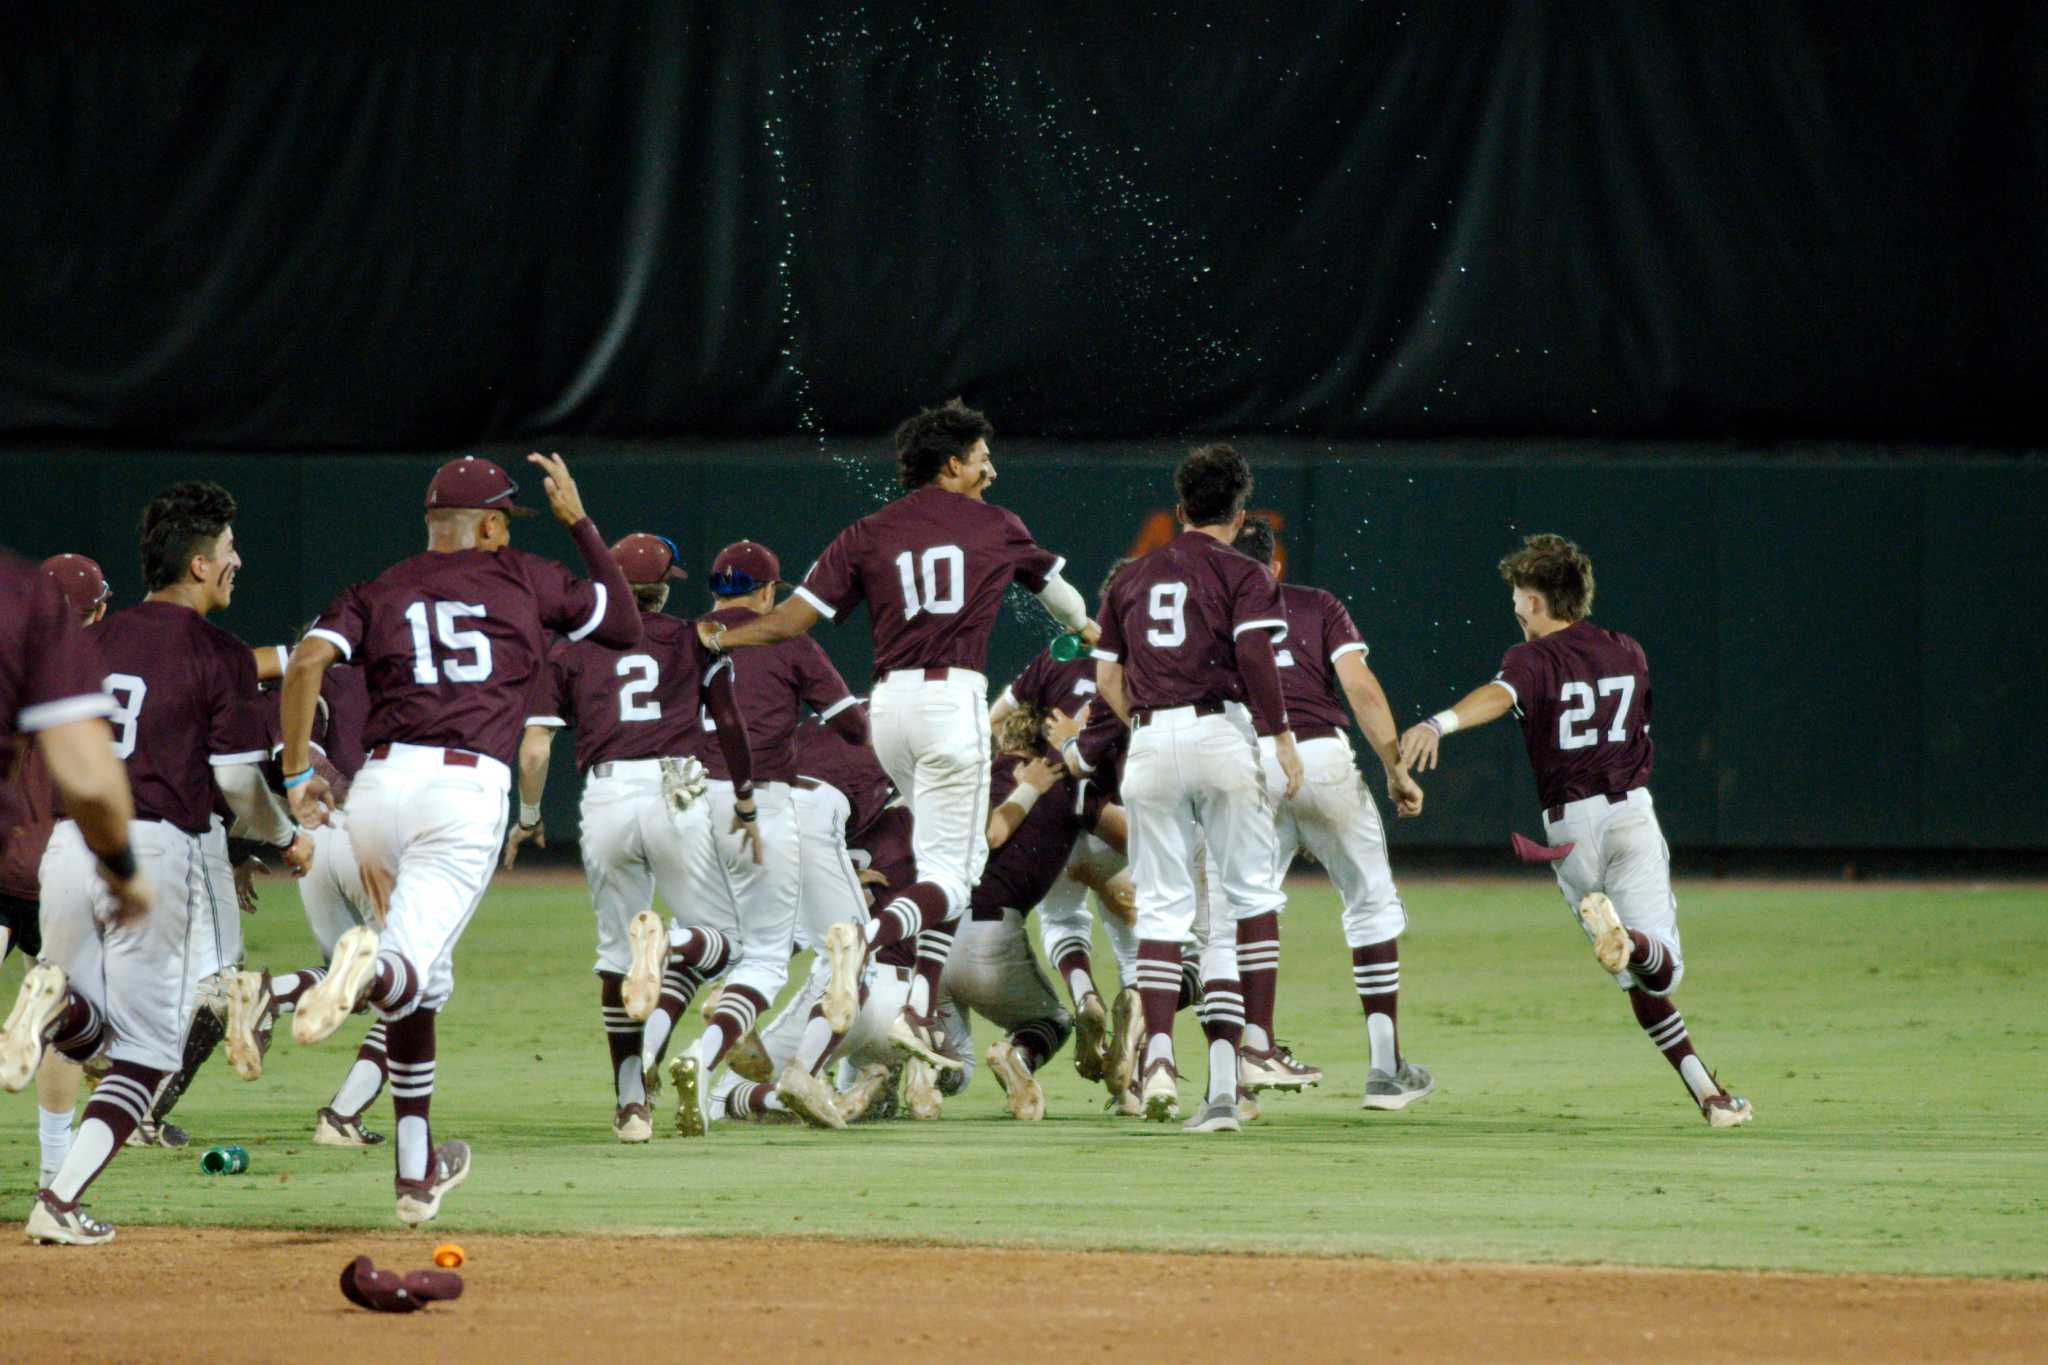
547, 722
1275, 624
231, 760
824, 608
63, 711
1105, 656
596, 615
1513, 695
1341, 650
836, 707
347, 650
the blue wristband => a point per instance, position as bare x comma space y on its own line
299, 778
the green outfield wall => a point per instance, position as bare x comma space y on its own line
1842, 643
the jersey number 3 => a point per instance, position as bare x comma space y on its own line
1579, 698
455, 643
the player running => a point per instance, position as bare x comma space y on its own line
185, 719
637, 712
449, 642
932, 567
1582, 695
1189, 635
1334, 818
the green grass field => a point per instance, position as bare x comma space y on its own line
1891, 1038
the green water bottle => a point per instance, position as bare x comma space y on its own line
229, 1160
1067, 648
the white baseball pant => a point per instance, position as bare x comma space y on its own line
332, 893
1335, 819
932, 738
828, 887
1064, 912
759, 899
217, 934
1621, 851
994, 973
435, 828
634, 843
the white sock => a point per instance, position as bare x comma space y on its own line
1079, 983
1222, 1070
920, 1001
654, 1036
53, 1133
1159, 1045
811, 1049
1697, 1080
1379, 1030
632, 1088
358, 1088
708, 1045
412, 1148
1255, 1039
773, 1104
89, 1151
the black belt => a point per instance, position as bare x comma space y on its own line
1142, 717
454, 758
1556, 813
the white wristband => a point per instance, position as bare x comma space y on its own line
1024, 797
529, 815
1446, 722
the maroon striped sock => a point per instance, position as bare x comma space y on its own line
748, 1100
934, 950
705, 951
1376, 976
1651, 966
285, 990
1160, 985
78, 1028
1037, 1041
395, 985
621, 1031
1071, 960
1189, 991
738, 1008
1665, 1027
114, 1111
410, 1044
1258, 968
921, 906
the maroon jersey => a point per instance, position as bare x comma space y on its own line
1054, 686
932, 567
772, 683
883, 844
850, 769
1173, 617
642, 702
185, 701
49, 674
1583, 696
1022, 871
28, 812
337, 735
1319, 631
450, 644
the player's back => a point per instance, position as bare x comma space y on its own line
1319, 631
850, 769
1583, 695
932, 567
640, 702
772, 683
450, 643
1021, 873
185, 699
1055, 684
1177, 612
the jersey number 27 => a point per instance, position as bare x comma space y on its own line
1580, 700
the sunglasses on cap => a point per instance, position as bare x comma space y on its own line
734, 583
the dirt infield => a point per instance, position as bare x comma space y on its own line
221, 1295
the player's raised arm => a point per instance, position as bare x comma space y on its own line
613, 619
794, 616
1487, 702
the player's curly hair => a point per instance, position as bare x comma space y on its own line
1021, 730
177, 523
935, 435
1109, 577
1556, 568
1256, 540
1213, 483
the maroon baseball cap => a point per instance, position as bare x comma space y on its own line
80, 580
474, 483
645, 557
742, 567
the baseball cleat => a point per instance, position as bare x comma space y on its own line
1215, 1116
1603, 926
1398, 1091
1126, 1105
809, 1097
642, 987
1020, 1087
336, 996
858, 1102
914, 1041
1162, 1093
708, 1006
920, 1094
749, 1059
844, 948
27, 1028
335, 1130
693, 1116
1126, 1032
447, 1166
1726, 1111
633, 1123
1091, 1037
1275, 1069
249, 1023
52, 1224
156, 1133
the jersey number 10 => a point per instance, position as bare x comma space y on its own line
941, 598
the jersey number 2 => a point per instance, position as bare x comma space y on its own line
633, 696
1569, 736
939, 599
474, 643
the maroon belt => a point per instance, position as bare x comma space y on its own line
454, 758
1308, 732
809, 784
1142, 717
1556, 813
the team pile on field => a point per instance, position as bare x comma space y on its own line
1165, 761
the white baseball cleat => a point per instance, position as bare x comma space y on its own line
693, 1110
708, 1006
337, 1130
749, 1059
1610, 940
913, 1042
1215, 1116
633, 1123
1126, 1032
1161, 1095
54, 1225
844, 949
249, 1023
1399, 1090
27, 1028
809, 1097
448, 1165
920, 1089
642, 986
856, 1100
341, 991
1091, 1037
1020, 1087
1275, 1069
1726, 1111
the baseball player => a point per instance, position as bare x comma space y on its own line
184, 720
780, 680
1189, 635
932, 567
1336, 821
638, 715
1582, 695
449, 642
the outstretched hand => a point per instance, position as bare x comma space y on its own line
1419, 745
562, 493
1404, 792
